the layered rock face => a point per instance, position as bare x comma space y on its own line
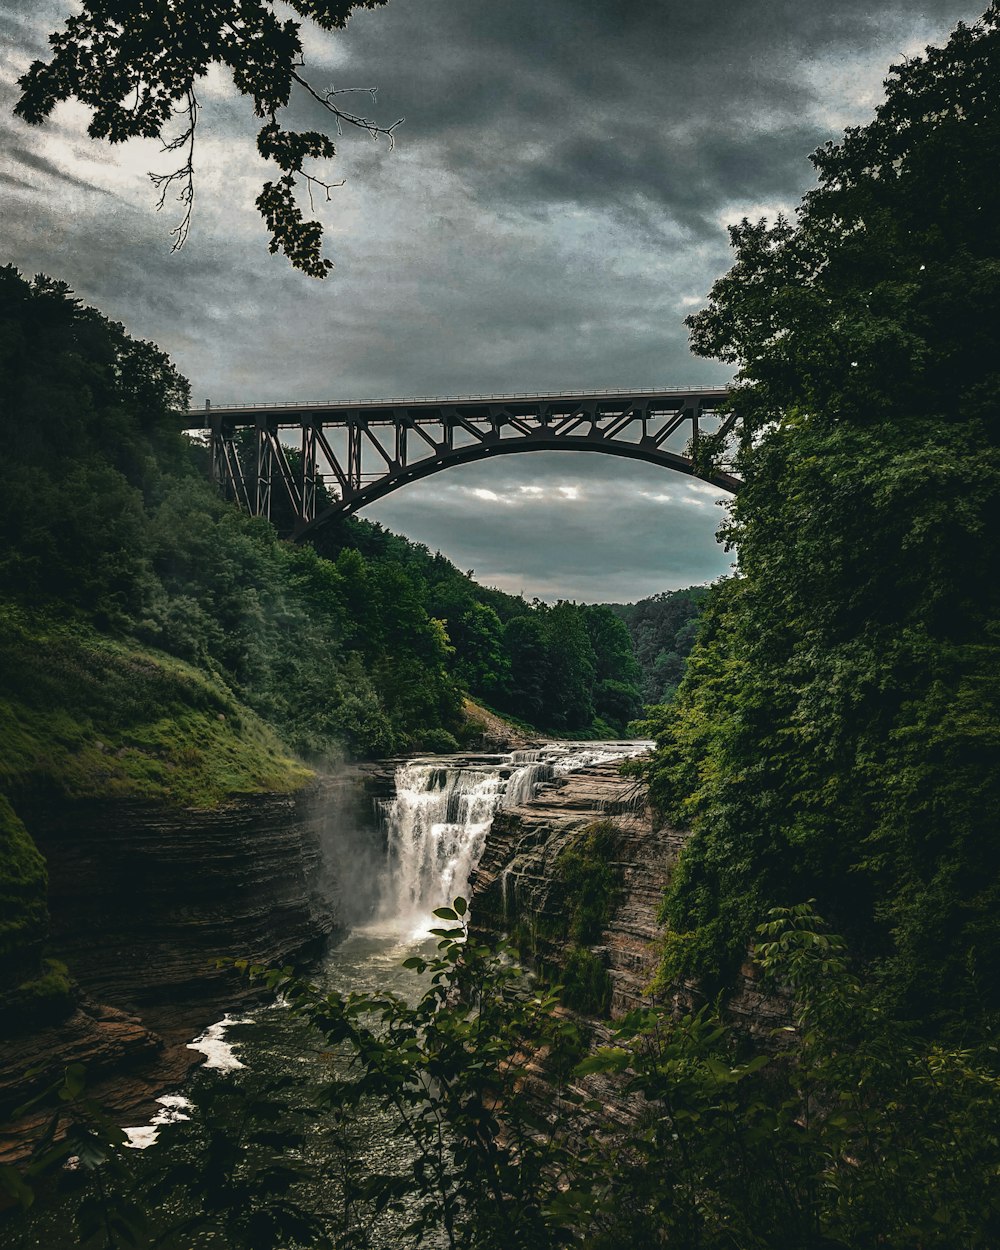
150, 906
519, 888
145, 899
518, 879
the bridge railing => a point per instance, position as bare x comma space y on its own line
398, 400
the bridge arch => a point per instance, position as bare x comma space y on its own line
363, 452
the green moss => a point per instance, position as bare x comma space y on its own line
587, 870
24, 915
586, 984
43, 999
86, 716
587, 881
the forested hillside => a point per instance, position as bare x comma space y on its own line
155, 642
110, 523
838, 731
663, 629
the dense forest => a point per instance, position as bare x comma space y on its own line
830, 747
837, 733
663, 629
157, 642
832, 752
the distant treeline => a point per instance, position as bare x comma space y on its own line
663, 630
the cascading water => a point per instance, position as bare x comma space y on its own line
437, 823
530, 769
435, 830
436, 827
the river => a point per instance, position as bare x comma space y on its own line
429, 837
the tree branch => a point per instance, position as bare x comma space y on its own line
326, 99
184, 176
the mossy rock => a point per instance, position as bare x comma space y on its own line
24, 916
41, 1000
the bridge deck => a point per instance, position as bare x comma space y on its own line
354, 452
291, 412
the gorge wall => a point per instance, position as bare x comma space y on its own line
518, 881
528, 886
149, 906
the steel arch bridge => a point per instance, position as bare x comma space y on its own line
361, 452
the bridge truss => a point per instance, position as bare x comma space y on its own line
360, 452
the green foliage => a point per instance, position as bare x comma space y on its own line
477, 636
110, 520
591, 879
82, 715
435, 741
586, 882
106, 1215
451, 1070
849, 1134
586, 986
832, 735
843, 1131
134, 66
568, 669
663, 630
24, 917
572, 669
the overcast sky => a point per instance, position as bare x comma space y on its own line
555, 205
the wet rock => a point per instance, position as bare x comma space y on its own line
150, 906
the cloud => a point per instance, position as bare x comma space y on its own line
589, 527
556, 204
34, 162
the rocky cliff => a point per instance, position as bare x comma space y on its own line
519, 886
576, 876
150, 905
144, 899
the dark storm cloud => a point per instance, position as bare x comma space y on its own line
650, 108
555, 206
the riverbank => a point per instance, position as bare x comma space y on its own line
150, 908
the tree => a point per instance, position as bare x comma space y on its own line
137, 67
477, 635
616, 670
663, 630
526, 646
851, 1133
570, 701
831, 736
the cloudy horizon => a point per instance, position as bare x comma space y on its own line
555, 205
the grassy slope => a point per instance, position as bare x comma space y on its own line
83, 716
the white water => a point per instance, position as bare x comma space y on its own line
175, 1108
219, 1054
437, 823
436, 828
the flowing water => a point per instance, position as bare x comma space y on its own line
425, 843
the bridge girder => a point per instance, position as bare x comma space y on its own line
362, 452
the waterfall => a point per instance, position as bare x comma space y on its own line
436, 827
437, 823
524, 781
